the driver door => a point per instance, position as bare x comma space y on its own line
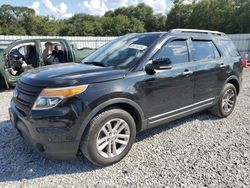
170, 92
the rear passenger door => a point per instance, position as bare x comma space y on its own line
209, 75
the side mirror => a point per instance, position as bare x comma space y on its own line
159, 64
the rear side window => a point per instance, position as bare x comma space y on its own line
230, 48
204, 50
176, 51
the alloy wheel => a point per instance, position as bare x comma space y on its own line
113, 138
228, 100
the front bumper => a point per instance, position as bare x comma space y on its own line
51, 142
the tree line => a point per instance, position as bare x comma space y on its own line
229, 16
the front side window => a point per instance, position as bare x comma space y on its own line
176, 51
204, 50
53, 52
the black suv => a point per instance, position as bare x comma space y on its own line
133, 83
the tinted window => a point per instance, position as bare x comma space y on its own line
176, 51
204, 50
230, 48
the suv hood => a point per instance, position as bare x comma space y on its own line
69, 74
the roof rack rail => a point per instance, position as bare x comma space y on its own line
197, 31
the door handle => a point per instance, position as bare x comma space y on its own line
187, 72
222, 65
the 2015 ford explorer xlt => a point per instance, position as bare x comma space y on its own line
133, 83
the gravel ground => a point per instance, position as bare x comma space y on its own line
197, 151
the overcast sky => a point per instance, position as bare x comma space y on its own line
66, 8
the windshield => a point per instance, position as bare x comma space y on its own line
122, 52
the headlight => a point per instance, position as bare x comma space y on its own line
50, 98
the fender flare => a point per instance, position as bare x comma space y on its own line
104, 105
233, 77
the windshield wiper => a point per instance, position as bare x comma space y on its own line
97, 63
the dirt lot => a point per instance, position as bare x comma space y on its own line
197, 151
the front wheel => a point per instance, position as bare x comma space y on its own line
226, 103
109, 137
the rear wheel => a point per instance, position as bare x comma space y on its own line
109, 137
226, 103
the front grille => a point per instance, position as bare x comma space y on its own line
25, 96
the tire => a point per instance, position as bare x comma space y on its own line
99, 128
219, 109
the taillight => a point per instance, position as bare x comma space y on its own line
243, 62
